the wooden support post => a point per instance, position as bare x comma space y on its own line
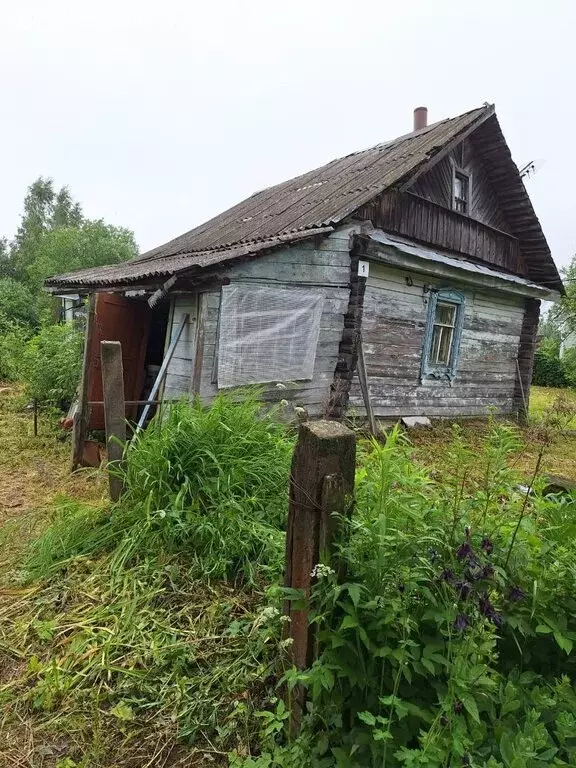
81, 417
365, 388
321, 483
525, 358
114, 413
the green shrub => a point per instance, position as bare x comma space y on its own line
569, 366
451, 640
17, 303
51, 363
548, 371
13, 339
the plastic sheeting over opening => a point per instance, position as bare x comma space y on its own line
267, 334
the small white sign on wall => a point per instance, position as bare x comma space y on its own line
363, 268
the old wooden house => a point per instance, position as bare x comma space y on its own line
422, 255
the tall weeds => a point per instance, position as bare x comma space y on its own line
146, 626
210, 483
451, 641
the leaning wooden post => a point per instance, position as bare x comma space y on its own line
321, 483
81, 417
114, 413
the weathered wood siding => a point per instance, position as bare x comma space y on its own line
325, 268
429, 222
436, 186
179, 375
393, 334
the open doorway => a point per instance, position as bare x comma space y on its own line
154, 350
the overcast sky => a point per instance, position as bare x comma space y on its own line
160, 114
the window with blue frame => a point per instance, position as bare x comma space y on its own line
442, 334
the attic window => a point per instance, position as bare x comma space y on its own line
461, 192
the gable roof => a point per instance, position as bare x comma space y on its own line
313, 203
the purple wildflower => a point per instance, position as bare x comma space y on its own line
473, 571
464, 551
447, 575
516, 595
484, 604
487, 609
473, 561
487, 545
487, 572
461, 622
458, 707
463, 589
465, 759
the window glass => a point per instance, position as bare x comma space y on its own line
442, 337
461, 192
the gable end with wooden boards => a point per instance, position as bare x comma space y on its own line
403, 280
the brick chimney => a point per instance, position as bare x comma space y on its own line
420, 118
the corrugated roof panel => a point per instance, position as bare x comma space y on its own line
301, 206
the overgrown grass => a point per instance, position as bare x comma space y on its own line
34, 473
207, 483
141, 629
451, 640
560, 457
542, 398
148, 633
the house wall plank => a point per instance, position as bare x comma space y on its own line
393, 335
436, 185
325, 267
183, 304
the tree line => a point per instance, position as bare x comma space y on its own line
54, 237
555, 359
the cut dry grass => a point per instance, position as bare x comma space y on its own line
34, 471
151, 671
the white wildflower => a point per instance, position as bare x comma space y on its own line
321, 570
270, 612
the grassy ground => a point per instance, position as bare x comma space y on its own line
542, 397
559, 456
34, 471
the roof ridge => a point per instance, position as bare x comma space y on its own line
326, 196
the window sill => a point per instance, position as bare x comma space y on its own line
442, 375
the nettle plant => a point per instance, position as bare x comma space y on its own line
450, 641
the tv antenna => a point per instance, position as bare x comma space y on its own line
531, 168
